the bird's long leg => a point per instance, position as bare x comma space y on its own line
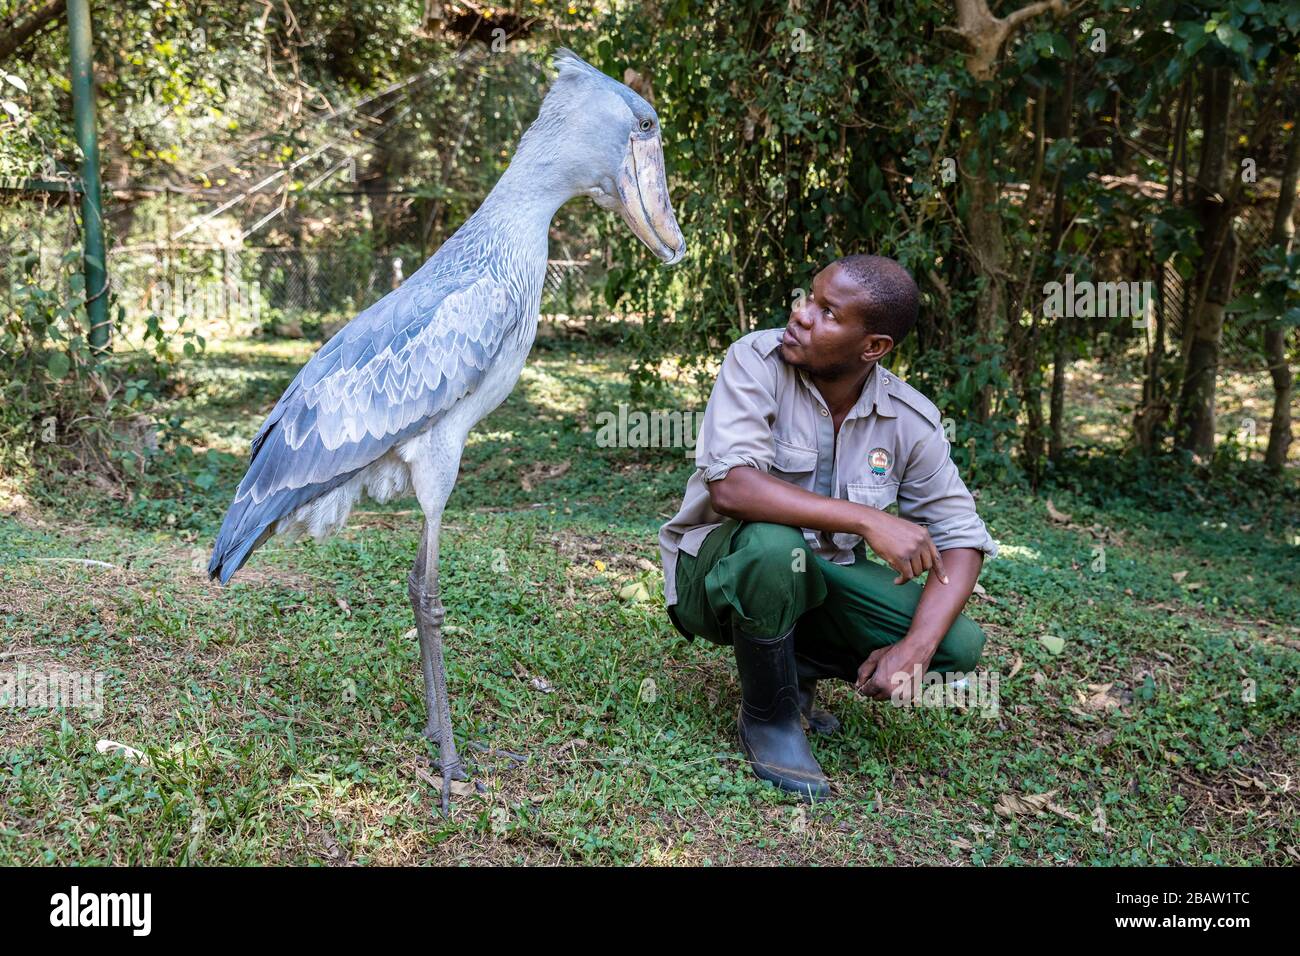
429, 615
433, 728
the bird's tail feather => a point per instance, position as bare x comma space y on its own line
228, 555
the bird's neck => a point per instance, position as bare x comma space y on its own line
525, 200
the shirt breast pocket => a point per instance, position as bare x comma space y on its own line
878, 496
793, 463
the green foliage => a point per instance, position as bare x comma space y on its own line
67, 411
1275, 297
772, 167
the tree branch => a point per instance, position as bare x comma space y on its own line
984, 34
25, 24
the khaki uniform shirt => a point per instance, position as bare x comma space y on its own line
891, 449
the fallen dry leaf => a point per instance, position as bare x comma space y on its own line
1012, 805
1062, 812
122, 750
1100, 698
459, 788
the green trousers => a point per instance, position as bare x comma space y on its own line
764, 578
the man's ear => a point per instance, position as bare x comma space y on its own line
876, 347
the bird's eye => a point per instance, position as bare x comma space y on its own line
647, 125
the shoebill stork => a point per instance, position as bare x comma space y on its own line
384, 408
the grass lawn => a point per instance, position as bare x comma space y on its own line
280, 717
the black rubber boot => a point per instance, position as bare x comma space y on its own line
814, 661
771, 733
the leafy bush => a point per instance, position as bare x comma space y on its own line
69, 412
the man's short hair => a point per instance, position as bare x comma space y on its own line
892, 299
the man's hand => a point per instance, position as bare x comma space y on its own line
748, 494
900, 665
906, 547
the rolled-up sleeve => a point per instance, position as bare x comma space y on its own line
932, 493
737, 426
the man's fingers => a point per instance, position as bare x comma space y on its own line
904, 569
874, 690
867, 668
938, 564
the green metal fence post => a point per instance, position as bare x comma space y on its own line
83, 112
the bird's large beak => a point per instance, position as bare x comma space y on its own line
643, 198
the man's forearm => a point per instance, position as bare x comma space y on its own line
748, 494
940, 603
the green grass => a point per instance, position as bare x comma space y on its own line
281, 716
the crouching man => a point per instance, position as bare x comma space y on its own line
805, 442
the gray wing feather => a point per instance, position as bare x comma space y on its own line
387, 374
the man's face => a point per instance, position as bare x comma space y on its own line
827, 335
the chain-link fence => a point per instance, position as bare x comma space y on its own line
1241, 340
242, 286
280, 289
38, 232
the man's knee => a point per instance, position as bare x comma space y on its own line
962, 646
768, 581
773, 549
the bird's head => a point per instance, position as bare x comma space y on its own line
602, 139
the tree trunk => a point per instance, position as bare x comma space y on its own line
984, 227
1025, 338
1275, 335
985, 36
1062, 127
1215, 273
1150, 419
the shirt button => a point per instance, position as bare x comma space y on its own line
886, 379
823, 411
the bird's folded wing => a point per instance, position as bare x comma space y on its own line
388, 374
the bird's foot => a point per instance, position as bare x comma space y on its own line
514, 759
456, 770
